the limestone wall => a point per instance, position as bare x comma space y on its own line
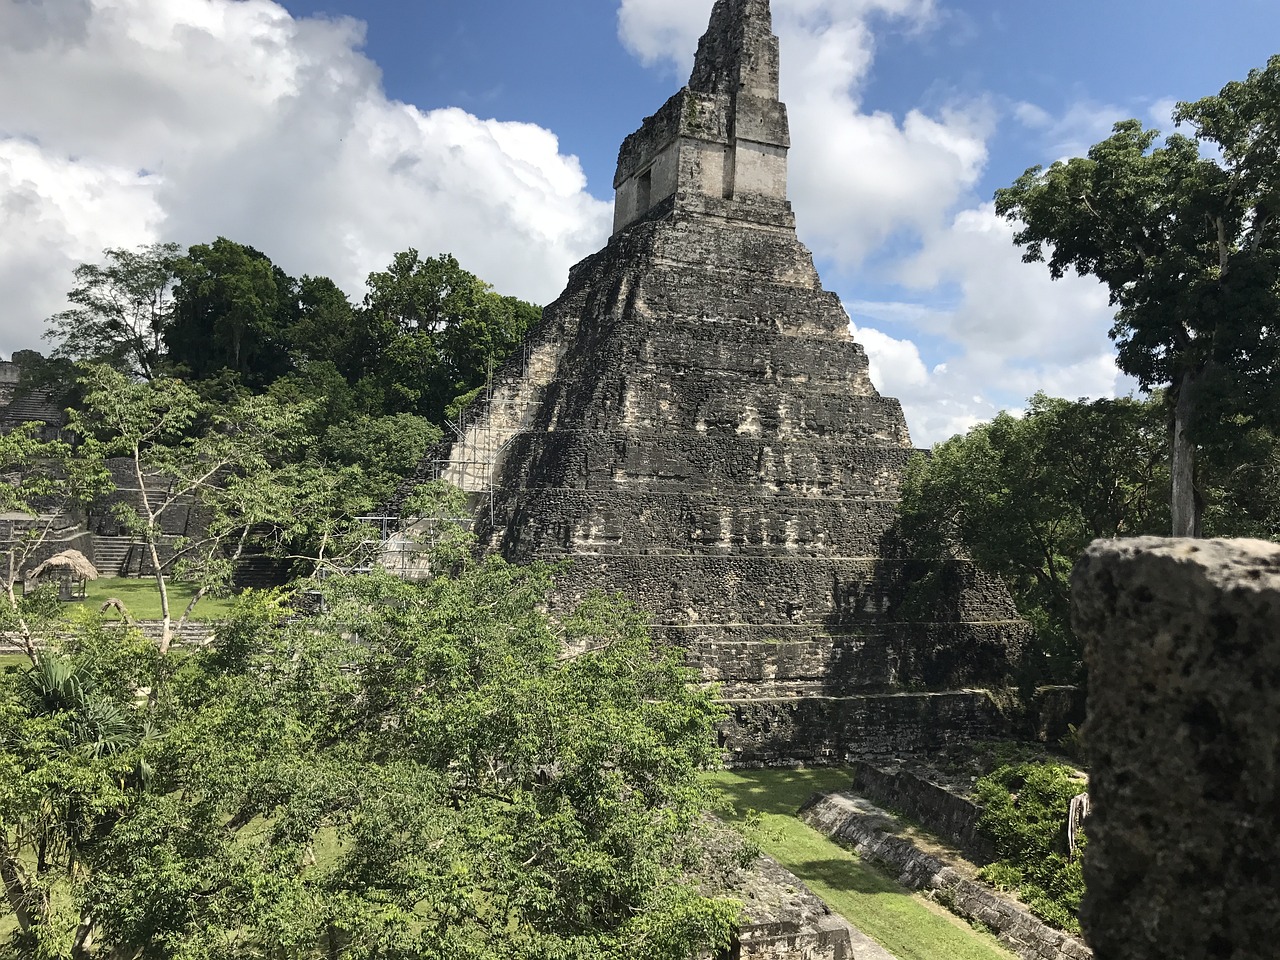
1053, 712
724, 137
760, 169
943, 812
1182, 642
58, 542
831, 730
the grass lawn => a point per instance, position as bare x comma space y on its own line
15, 661
143, 599
906, 924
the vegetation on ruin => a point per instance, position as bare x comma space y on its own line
1023, 496
224, 319
278, 408
416, 772
1026, 808
906, 924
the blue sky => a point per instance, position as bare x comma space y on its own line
332, 133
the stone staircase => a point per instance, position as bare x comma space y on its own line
257, 573
37, 407
117, 556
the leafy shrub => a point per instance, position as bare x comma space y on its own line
1026, 810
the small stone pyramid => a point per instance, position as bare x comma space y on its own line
693, 426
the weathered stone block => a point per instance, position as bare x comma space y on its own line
1183, 646
830, 730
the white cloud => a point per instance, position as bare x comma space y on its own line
1008, 331
896, 366
124, 121
56, 213
973, 385
1160, 115
663, 32
1073, 132
1005, 305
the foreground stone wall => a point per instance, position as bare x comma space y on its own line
1183, 648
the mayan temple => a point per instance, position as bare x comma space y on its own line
693, 426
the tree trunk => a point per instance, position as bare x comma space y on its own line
166, 635
82, 949
15, 889
1182, 462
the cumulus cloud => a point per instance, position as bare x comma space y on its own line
126, 121
56, 213
1004, 304
1072, 132
1007, 331
663, 32
973, 384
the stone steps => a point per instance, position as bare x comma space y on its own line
36, 407
116, 556
649, 462
714, 590
885, 659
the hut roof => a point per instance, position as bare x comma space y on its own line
72, 561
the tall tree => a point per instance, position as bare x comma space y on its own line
324, 330
72, 738
233, 310
1185, 236
181, 450
431, 332
416, 772
121, 311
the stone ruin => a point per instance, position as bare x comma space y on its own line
1182, 641
693, 426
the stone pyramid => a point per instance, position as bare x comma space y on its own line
693, 426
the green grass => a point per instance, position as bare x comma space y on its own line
142, 599
904, 923
13, 661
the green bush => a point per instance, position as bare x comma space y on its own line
1026, 809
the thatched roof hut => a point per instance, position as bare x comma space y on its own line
71, 562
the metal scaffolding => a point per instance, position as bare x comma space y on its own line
403, 544
479, 445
